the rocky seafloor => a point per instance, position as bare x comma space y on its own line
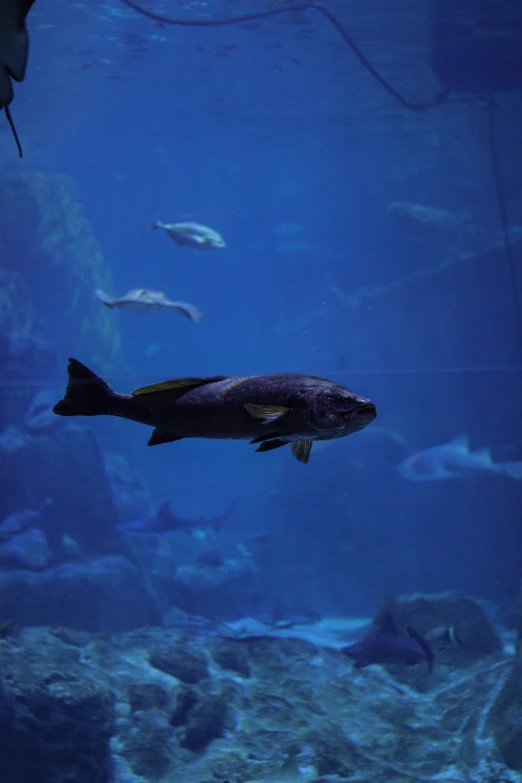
161, 704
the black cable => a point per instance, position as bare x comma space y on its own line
499, 188
437, 100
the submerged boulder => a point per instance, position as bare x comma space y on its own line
459, 630
60, 265
104, 594
56, 716
65, 466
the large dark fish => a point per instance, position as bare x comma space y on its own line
385, 645
271, 410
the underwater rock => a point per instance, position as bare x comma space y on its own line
505, 718
147, 696
186, 698
353, 724
28, 550
146, 744
205, 722
26, 365
67, 467
231, 657
474, 637
39, 416
57, 716
60, 263
104, 594
130, 493
187, 665
215, 591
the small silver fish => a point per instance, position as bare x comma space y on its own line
143, 300
192, 235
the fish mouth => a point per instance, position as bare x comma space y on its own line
365, 414
367, 409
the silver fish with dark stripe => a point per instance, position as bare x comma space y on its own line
269, 410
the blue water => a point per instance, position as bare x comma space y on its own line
286, 146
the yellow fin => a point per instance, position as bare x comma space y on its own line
268, 413
180, 385
301, 450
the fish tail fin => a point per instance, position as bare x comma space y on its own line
107, 300
217, 522
424, 645
511, 469
86, 393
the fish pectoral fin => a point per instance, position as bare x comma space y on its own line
301, 450
268, 445
268, 413
162, 436
180, 385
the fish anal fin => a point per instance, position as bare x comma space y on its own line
267, 413
268, 445
162, 436
301, 450
179, 385
262, 438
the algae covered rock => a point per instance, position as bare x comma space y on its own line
146, 744
97, 595
57, 716
50, 266
189, 666
232, 657
505, 719
205, 722
66, 466
433, 614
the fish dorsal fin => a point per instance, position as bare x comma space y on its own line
290, 769
424, 645
484, 455
301, 450
460, 443
164, 509
387, 624
180, 385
